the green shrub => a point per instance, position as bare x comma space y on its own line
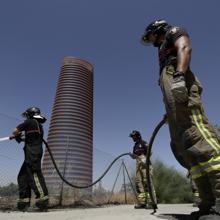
170, 185
9, 190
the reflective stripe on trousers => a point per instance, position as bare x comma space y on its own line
198, 119
196, 194
143, 195
212, 164
24, 200
38, 185
205, 167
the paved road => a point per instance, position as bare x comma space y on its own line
121, 212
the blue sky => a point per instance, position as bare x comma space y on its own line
36, 35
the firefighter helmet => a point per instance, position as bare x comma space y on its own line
156, 27
135, 134
30, 112
34, 112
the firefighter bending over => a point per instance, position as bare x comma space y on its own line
139, 153
30, 176
193, 140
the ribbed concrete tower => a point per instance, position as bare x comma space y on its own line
70, 134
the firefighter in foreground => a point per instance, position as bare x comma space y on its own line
139, 153
193, 140
30, 176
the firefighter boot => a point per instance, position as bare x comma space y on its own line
149, 204
202, 212
23, 205
42, 204
215, 212
210, 217
141, 201
140, 206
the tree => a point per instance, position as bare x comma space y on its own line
9, 190
170, 185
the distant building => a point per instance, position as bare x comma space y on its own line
70, 134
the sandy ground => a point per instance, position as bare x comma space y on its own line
121, 212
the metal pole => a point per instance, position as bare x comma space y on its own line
132, 186
126, 202
114, 183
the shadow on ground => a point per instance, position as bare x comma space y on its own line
175, 216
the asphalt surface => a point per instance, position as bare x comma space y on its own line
120, 212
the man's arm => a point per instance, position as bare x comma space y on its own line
16, 132
184, 49
17, 135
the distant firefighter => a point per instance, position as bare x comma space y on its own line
139, 153
30, 176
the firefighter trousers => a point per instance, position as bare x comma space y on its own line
193, 140
31, 179
141, 181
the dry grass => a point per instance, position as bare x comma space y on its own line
116, 198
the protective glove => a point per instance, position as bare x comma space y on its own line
178, 88
19, 138
165, 117
133, 156
11, 137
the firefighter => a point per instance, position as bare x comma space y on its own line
30, 176
139, 153
193, 140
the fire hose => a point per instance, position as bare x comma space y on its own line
149, 180
76, 186
148, 154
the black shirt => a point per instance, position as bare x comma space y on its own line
33, 135
167, 51
140, 148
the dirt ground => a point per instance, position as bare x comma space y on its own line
120, 212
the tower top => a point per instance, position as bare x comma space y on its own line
68, 60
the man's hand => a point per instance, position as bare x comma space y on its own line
178, 88
165, 117
12, 137
133, 156
19, 137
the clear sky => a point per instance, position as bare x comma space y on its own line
36, 35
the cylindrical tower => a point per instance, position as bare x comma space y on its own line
70, 135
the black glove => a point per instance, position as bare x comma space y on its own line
178, 88
12, 137
165, 117
19, 138
133, 156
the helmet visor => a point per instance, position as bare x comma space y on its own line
38, 117
145, 38
24, 114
